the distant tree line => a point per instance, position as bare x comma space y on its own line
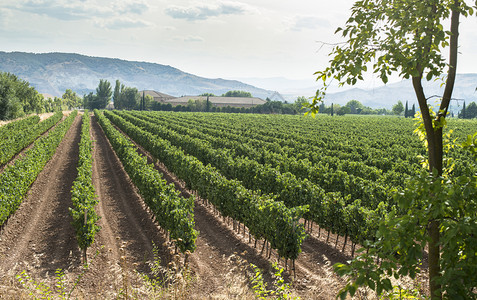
18, 98
270, 107
354, 107
469, 112
124, 97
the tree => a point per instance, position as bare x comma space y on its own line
354, 106
343, 111
300, 103
471, 111
90, 100
117, 94
413, 110
71, 99
398, 108
322, 108
130, 98
406, 111
103, 94
237, 94
407, 37
17, 97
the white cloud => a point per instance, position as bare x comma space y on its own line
137, 7
63, 10
124, 23
81, 10
204, 12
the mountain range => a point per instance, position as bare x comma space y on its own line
380, 96
53, 73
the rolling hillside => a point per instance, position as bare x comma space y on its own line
53, 73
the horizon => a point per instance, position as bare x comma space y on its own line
217, 39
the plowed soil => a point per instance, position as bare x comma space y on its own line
39, 239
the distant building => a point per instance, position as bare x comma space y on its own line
219, 101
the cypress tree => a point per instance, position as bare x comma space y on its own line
406, 111
462, 113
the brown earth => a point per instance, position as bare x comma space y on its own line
39, 239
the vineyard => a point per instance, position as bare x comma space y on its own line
214, 192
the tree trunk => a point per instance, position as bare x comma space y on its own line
435, 145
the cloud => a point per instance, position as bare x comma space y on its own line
204, 12
131, 7
125, 23
308, 23
62, 10
80, 10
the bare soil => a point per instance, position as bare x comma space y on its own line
39, 239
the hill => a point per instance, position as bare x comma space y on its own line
53, 73
388, 95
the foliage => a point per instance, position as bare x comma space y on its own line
343, 111
471, 111
355, 106
82, 192
71, 99
22, 133
103, 94
17, 97
301, 103
237, 94
402, 237
102, 97
16, 179
407, 37
264, 217
398, 108
117, 93
280, 289
173, 212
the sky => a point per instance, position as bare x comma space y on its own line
214, 39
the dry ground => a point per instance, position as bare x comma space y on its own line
39, 239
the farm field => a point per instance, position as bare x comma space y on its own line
245, 189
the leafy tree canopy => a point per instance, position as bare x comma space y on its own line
471, 111
354, 106
17, 97
71, 99
398, 108
408, 37
237, 94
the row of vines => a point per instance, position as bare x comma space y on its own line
339, 172
17, 178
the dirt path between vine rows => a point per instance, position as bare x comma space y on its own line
222, 259
39, 238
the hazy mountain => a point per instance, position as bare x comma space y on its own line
378, 97
53, 73
388, 95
